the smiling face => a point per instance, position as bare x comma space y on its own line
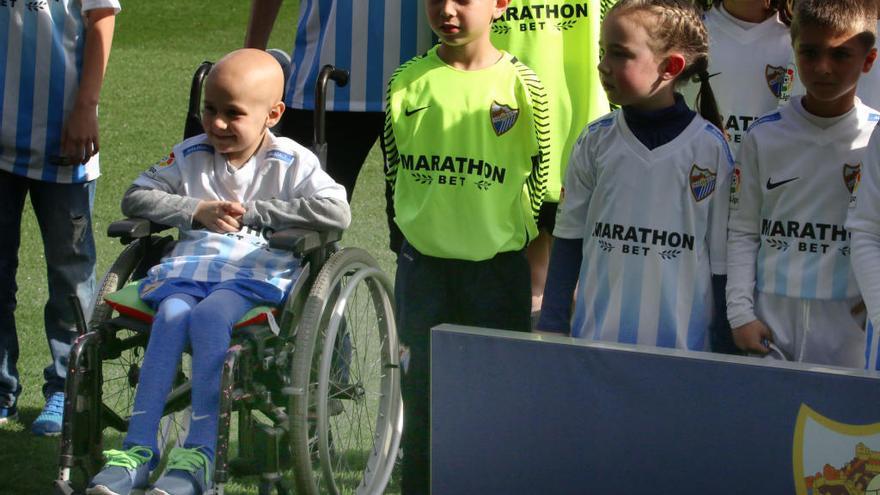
630, 71
242, 100
461, 22
829, 66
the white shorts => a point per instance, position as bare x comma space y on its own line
819, 331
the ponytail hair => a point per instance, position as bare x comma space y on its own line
707, 105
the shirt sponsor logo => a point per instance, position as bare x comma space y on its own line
452, 170
808, 237
540, 17
641, 241
503, 117
702, 182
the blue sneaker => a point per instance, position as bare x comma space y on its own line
188, 473
126, 472
48, 423
8, 414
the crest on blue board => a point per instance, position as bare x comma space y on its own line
775, 79
702, 182
831, 457
503, 117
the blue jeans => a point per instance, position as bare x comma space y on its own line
64, 213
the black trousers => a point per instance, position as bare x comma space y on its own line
494, 293
350, 136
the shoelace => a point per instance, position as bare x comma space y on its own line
129, 459
190, 460
55, 404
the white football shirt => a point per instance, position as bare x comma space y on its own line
792, 187
654, 228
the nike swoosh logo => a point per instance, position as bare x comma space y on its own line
414, 111
774, 185
135, 413
199, 418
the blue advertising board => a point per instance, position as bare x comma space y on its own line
522, 413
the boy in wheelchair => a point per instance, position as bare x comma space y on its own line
224, 190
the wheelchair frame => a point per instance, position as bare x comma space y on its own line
288, 381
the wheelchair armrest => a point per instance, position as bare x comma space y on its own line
130, 229
302, 241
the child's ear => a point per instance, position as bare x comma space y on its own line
674, 65
500, 7
275, 113
869, 60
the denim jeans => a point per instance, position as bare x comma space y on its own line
64, 214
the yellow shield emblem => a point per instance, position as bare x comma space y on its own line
830, 457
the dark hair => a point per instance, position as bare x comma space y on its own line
676, 26
839, 16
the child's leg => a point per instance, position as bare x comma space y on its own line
419, 290
209, 331
167, 340
494, 293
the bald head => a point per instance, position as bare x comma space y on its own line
249, 68
242, 101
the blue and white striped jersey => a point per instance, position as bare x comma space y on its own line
282, 170
370, 38
654, 226
40, 65
793, 185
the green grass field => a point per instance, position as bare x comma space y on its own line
157, 47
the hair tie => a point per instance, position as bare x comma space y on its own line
703, 76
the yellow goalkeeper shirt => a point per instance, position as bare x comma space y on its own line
559, 40
466, 153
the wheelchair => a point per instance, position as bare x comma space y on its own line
309, 390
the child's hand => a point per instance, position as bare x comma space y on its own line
220, 216
79, 138
752, 337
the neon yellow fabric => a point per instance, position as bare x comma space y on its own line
559, 40
466, 154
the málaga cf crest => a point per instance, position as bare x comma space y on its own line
503, 117
702, 182
831, 457
775, 79
851, 176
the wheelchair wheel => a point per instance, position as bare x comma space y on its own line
345, 409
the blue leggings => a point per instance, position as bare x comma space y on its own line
206, 325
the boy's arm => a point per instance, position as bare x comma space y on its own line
567, 254
537, 180
742, 250
719, 211
79, 137
863, 221
263, 15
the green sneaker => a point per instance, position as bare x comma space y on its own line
125, 472
188, 473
